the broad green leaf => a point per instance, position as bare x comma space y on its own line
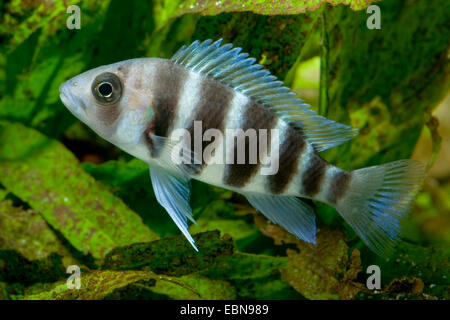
131, 182
94, 285
42, 53
171, 256
21, 19
384, 82
26, 232
255, 276
98, 285
266, 288
275, 41
195, 287
430, 264
267, 7
236, 228
245, 266
43, 173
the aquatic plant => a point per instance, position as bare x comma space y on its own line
68, 198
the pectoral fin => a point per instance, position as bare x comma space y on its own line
172, 192
289, 212
175, 155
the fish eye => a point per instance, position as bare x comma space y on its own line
107, 88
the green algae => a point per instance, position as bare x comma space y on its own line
26, 232
379, 82
384, 82
107, 284
43, 173
265, 7
172, 255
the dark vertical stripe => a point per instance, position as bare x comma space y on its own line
290, 152
168, 85
166, 90
313, 176
338, 185
255, 117
211, 110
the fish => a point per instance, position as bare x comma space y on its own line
151, 108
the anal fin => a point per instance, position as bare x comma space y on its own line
289, 212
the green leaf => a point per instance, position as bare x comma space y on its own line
255, 276
386, 83
195, 287
275, 41
3, 194
267, 7
94, 285
97, 285
26, 232
378, 80
245, 266
171, 256
430, 264
43, 173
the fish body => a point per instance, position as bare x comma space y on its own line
204, 95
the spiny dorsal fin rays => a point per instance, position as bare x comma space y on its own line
213, 59
227, 65
202, 51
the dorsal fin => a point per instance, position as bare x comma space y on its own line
227, 65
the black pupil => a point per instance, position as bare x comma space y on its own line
105, 89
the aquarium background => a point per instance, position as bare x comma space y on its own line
68, 198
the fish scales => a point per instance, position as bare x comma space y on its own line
292, 147
211, 110
139, 104
255, 117
313, 175
165, 101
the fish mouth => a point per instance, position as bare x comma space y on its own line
66, 97
69, 101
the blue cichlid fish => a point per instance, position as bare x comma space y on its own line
138, 104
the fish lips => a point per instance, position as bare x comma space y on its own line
74, 105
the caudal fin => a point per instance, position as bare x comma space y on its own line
378, 197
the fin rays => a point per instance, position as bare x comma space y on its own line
173, 194
230, 66
289, 212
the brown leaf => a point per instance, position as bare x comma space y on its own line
405, 285
322, 271
274, 231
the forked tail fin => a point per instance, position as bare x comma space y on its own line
378, 197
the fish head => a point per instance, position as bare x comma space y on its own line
110, 100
